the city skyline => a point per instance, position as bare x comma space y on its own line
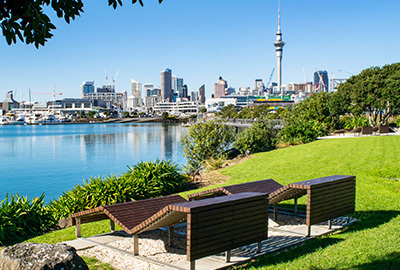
199, 45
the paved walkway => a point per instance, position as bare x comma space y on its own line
279, 239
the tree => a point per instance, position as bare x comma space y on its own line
27, 20
259, 137
229, 111
375, 91
206, 140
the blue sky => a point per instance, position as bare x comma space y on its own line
202, 40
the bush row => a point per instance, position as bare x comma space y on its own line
21, 218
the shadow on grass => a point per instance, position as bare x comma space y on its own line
367, 220
371, 219
293, 253
390, 261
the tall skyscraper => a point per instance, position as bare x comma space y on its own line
202, 93
279, 48
166, 83
87, 87
136, 88
219, 87
185, 91
173, 83
321, 85
179, 87
148, 86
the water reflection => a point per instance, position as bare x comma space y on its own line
52, 159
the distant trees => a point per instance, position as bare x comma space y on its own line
27, 19
375, 91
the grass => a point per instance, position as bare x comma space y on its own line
372, 243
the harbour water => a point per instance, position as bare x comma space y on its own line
54, 158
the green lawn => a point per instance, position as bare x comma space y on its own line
372, 243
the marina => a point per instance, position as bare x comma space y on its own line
54, 158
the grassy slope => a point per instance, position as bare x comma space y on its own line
374, 242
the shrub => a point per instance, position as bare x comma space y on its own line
154, 179
206, 140
355, 121
142, 181
21, 218
259, 137
301, 132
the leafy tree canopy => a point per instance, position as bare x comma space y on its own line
375, 91
27, 20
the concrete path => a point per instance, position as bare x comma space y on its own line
279, 239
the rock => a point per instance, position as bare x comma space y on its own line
232, 153
31, 256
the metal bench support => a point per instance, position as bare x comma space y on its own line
135, 244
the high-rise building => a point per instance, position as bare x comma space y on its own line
194, 96
179, 87
166, 83
148, 86
136, 88
321, 81
202, 93
219, 87
279, 49
259, 86
185, 91
173, 83
87, 87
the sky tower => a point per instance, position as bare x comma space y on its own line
279, 48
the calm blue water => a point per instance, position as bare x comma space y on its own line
54, 158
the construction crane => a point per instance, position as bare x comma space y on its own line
115, 77
270, 77
54, 94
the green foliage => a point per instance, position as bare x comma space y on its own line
301, 132
154, 179
143, 180
229, 111
164, 115
203, 110
125, 114
91, 114
259, 137
206, 140
355, 121
193, 116
375, 91
21, 217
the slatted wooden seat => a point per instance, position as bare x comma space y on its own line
263, 186
127, 215
214, 225
327, 197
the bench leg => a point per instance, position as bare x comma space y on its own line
78, 227
275, 210
308, 231
259, 246
330, 224
295, 206
171, 236
135, 244
112, 226
228, 256
193, 265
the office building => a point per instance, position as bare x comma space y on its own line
185, 91
219, 87
202, 93
87, 87
166, 84
136, 90
179, 87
